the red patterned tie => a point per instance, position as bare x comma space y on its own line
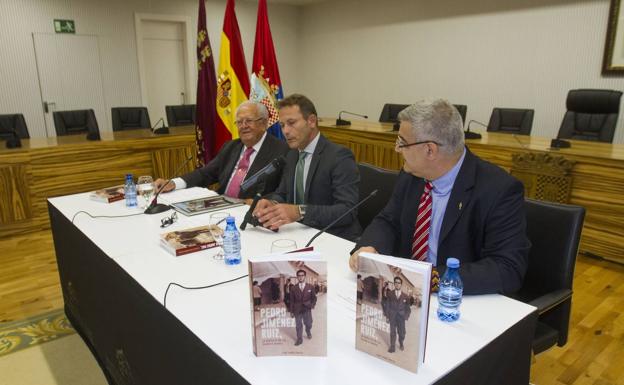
423, 222
239, 175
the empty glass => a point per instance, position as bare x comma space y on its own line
282, 246
217, 227
145, 190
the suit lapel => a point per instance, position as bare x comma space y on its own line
289, 174
232, 160
460, 196
316, 158
261, 157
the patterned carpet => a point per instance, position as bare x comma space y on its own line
18, 335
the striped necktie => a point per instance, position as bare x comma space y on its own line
420, 240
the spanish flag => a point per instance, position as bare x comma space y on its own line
232, 79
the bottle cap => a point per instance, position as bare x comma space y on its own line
229, 220
128, 176
452, 263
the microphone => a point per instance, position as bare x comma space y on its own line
473, 135
160, 130
155, 207
14, 141
559, 143
372, 194
341, 122
261, 176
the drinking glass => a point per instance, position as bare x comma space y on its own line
145, 189
217, 228
282, 246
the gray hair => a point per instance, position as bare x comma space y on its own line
260, 108
436, 120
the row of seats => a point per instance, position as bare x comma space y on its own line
591, 115
554, 231
84, 121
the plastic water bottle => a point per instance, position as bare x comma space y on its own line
130, 191
450, 293
231, 243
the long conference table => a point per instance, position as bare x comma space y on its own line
597, 174
114, 275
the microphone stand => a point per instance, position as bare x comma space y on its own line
14, 141
473, 135
372, 194
155, 207
342, 122
162, 129
249, 218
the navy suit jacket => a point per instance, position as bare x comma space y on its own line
221, 167
331, 188
484, 226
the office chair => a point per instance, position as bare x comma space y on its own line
130, 118
75, 122
372, 178
511, 121
13, 123
462, 109
183, 115
390, 111
591, 115
554, 231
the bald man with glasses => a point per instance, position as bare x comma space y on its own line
449, 203
238, 159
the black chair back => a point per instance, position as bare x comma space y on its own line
462, 109
591, 115
511, 120
390, 111
13, 123
74, 122
374, 178
130, 118
183, 115
554, 231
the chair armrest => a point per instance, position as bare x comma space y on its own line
550, 300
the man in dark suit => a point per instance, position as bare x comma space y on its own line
302, 301
239, 158
476, 210
320, 180
397, 311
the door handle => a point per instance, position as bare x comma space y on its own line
47, 105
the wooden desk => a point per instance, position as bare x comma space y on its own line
598, 175
47, 167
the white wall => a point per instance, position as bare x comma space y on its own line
359, 54
113, 22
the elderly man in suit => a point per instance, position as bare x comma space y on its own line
320, 180
239, 158
397, 311
302, 301
449, 203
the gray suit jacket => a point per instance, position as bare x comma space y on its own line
221, 167
332, 188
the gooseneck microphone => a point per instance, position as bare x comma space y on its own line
14, 141
342, 122
275, 166
473, 135
372, 194
160, 130
155, 207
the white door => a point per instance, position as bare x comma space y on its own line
70, 76
165, 67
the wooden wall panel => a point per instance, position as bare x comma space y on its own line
14, 194
597, 176
70, 165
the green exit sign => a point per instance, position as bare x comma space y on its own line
64, 26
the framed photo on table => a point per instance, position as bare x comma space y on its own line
613, 63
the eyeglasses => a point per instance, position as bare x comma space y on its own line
400, 143
168, 221
246, 122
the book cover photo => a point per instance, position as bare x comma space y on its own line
204, 205
108, 195
289, 305
190, 240
392, 309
